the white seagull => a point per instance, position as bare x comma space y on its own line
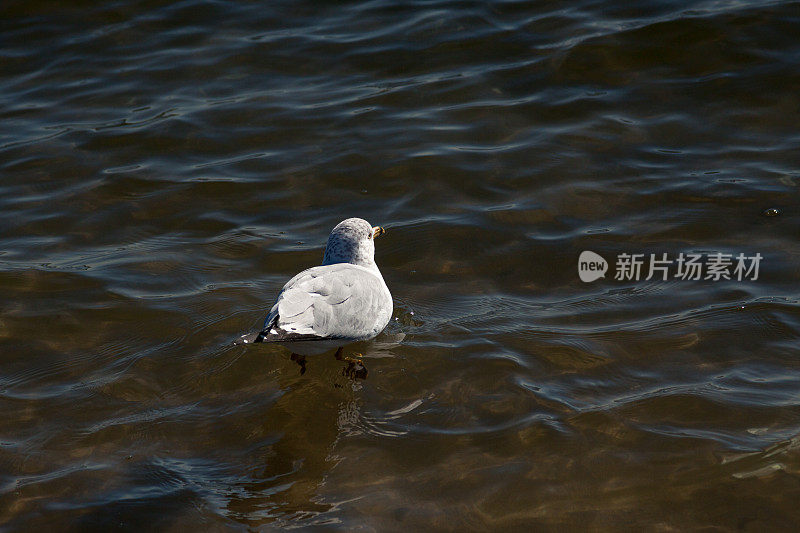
342, 301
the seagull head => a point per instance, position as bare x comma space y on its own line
352, 241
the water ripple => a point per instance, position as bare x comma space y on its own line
167, 168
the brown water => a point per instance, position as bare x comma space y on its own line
166, 167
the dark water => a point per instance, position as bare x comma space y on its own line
166, 167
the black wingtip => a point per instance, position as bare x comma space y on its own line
260, 337
248, 338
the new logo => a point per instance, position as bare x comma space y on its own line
591, 266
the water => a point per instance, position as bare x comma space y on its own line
166, 167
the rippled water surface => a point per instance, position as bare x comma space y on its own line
166, 167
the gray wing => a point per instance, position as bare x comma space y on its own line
340, 301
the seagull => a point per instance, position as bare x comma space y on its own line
342, 301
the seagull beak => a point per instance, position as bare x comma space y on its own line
377, 230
